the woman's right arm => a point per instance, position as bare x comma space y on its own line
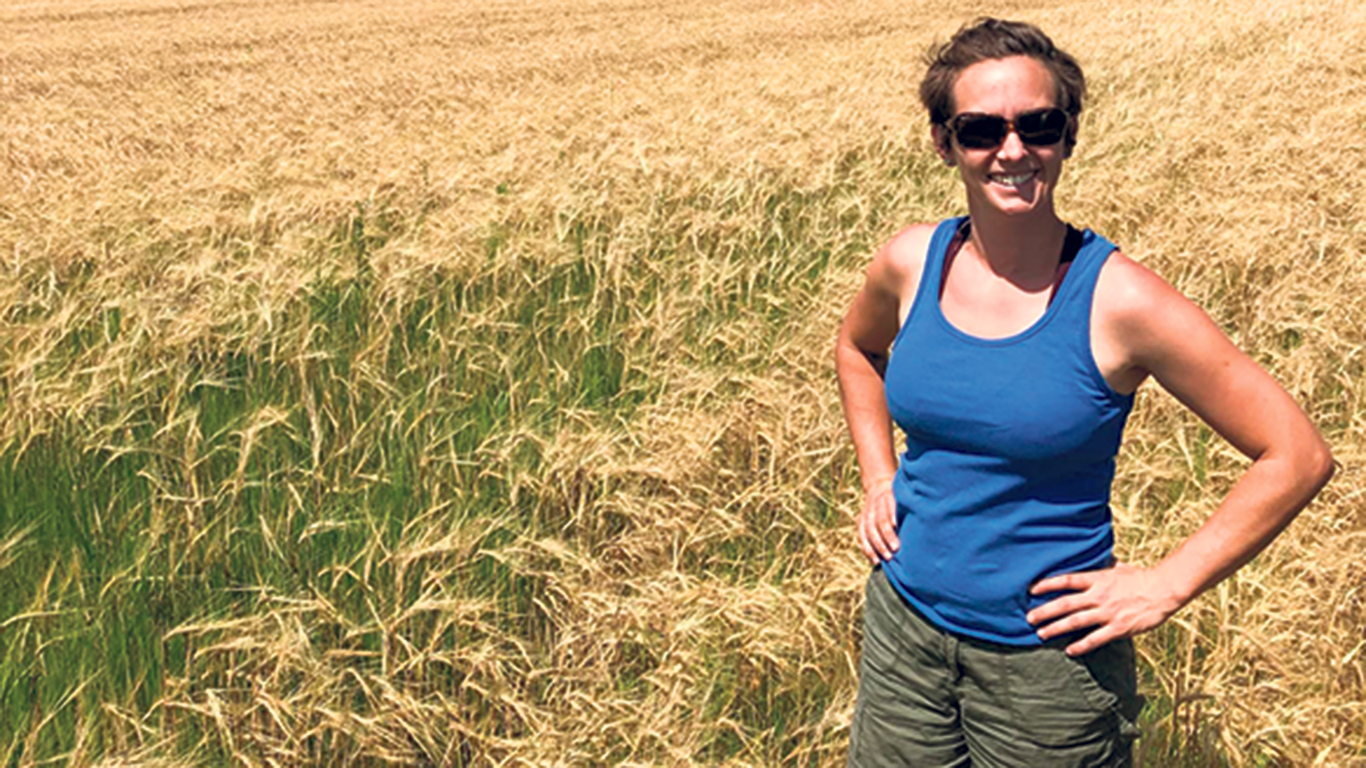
861, 352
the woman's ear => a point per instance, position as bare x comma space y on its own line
943, 144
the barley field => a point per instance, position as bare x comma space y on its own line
451, 383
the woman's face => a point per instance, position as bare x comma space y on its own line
1013, 177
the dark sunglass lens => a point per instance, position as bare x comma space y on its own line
979, 131
1043, 127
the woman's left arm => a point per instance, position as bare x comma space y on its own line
1162, 333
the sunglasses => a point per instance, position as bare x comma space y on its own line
1038, 128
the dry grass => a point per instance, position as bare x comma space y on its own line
450, 382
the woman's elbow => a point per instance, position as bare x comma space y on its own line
1312, 466
1320, 464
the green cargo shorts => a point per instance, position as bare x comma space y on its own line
930, 698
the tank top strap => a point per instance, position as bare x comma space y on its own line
1078, 288
932, 273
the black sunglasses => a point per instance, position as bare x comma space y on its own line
1039, 128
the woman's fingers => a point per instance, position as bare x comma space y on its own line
870, 539
1067, 582
875, 535
863, 542
1094, 640
1061, 606
884, 517
877, 528
1071, 623
1117, 602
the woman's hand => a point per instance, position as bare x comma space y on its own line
1118, 602
877, 522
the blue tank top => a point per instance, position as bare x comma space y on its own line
1010, 453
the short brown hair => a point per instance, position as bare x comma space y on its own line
986, 39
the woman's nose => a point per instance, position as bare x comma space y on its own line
1011, 146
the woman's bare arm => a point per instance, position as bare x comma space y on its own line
1164, 334
861, 352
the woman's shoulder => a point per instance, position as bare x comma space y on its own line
1130, 307
1146, 320
1127, 292
910, 244
898, 264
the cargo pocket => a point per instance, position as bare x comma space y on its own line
1112, 669
1060, 701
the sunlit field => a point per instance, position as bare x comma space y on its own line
451, 383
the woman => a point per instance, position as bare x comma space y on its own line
997, 625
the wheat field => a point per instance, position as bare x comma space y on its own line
451, 383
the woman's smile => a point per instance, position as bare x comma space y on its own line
1014, 180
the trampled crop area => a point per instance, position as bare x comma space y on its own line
451, 382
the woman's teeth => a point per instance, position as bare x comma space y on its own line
1013, 180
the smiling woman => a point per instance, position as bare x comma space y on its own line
1000, 168
1007, 346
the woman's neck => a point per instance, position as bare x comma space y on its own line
1022, 248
